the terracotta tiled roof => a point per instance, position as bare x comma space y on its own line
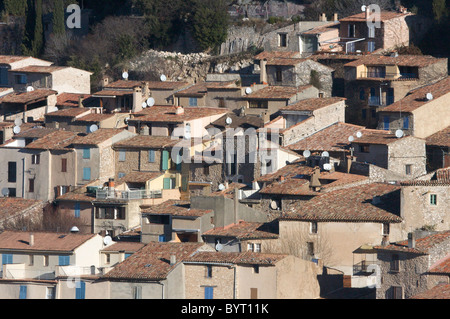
441, 138
286, 172
123, 84
67, 100
97, 137
147, 142
124, 246
56, 140
47, 241
27, 97
93, 118
423, 245
35, 132
238, 121
139, 177
111, 93
312, 104
6, 124
40, 69
443, 175
8, 59
277, 54
441, 267
332, 138
417, 97
168, 114
441, 291
243, 230
229, 191
291, 186
72, 112
354, 204
276, 92
175, 208
166, 85
245, 258
152, 262
400, 60
380, 137
196, 90
223, 85
285, 61
323, 28
9, 206
384, 15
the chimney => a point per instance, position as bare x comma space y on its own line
263, 71
315, 183
385, 241
367, 12
179, 110
348, 163
335, 17
173, 260
31, 239
105, 81
137, 99
80, 101
323, 17
411, 240
111, 183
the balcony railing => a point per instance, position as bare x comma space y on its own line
127, 195
388, 76
362, 268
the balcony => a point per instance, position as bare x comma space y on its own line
364, 268
388, 76
126, 195
21, 271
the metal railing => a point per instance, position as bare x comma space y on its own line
362, 267
126, 195
384, 75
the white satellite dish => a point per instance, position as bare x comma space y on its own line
107, 240
248, 90
351, 138
74, 229
30, 88
93, 128
429, 96
5, 191
219, 246
144, 105
228, 120
125, 75
221, 187
18, 122
325, 154
150, 101
162, 77
358, 134
274, 204
16, 129
363, 8
327, 166
399, 133
306, 153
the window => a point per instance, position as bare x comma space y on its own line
208, 271
397, 292
395, 263
120, 174
46, 260
255, 269
258, 104
408, 168
314, 227
107, 258
64, 261
50, 293
209, 292
151, 156
362, 94
250, 247
193, 101
363, 114
351, 30
257, 248
279, 74
161, 238
371, 46
386, 229
433, 199
364, 148
12, 192
63, 165
30, 260
86, 153
86, 173
406, 123
137, 292
23, 292
35, 159
77, 209
127, 255
12, 172
169, 183
122, 156
386, 122
31, 185
282, 39
21, 79
3, 76
253, 293
310, 248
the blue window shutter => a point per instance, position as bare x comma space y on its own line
86, 153
386, 122
406, 122
209, 292
86, 173
64, 260
127, 255
7, 259
77, 209
80, 290
23, 292
161, 238
165, 160
166, 183
151, 156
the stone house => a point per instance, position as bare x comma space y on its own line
12, 62
249, 275
52, 77
439, 291
320, 38
32, 262
421, 112
12, 210
376, 81
155, 271
438, 145
62, 119
410, 267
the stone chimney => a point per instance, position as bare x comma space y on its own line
137, 99
335, 17
105, 81
323, 17
315, 183
263, 71
179, 110
31, 239
348, 163
411, 240
173, 260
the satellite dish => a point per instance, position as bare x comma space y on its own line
144, 105
327, 166
248, 90
221, 187
18, 122
107, 240
274, 204
306, 153
219, 246
74, 229
187, 135
351, 138
358, 134
150, 101
429, 96
228, 120
399, 133
93, 128
125, 75
325, 154
30, 88
5, 191
162, 77
363, 8
16, 129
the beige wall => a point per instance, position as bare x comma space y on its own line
11, 290
429, 119
222, 279
71, 80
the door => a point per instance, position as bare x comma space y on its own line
209, 292
80, 290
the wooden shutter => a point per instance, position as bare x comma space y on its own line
63, 164
253, 293
165, 160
